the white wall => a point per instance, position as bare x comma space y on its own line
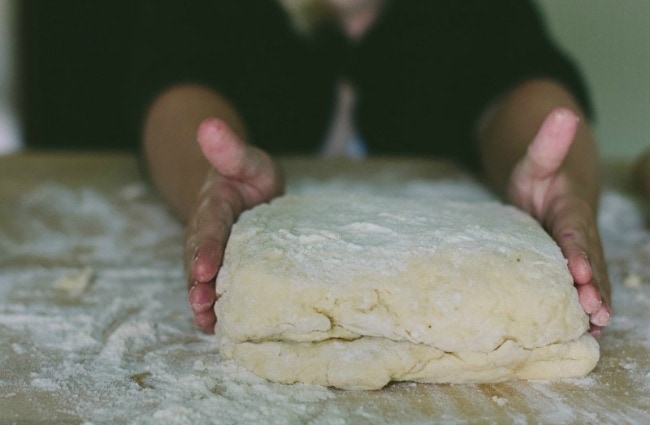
610, 40
9, 134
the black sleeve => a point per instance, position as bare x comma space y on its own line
180, 42
511, 45
429, 68
75, 64
246, 51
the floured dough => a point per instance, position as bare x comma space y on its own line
355, 291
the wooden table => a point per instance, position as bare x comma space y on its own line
94, 327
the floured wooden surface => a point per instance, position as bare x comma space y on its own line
94, 325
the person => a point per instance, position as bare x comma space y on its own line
476, 82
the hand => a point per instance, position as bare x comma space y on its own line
539, 185
242, 177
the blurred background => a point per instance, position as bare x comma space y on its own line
9, 136
63, 70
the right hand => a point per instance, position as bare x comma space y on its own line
540, 185
241, 177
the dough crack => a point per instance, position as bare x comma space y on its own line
327, 315
514, 340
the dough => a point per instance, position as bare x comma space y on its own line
355, 291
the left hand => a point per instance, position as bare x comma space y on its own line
539, 185
241, 177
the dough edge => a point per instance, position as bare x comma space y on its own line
370, 363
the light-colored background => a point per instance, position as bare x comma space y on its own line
610, 40
9, 136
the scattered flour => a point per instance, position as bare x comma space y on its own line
500, 401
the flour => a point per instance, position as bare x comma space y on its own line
123, 348
500, 401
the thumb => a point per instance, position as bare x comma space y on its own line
549, 148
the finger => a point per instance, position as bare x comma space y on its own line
549, 148
566, 224
203, 255
208, 257
589, 298
589, 295
210, 229
602, 316
595, 331
206, 320
202, 297
232, 158
222, 147
573, 246
569, 229
585, 268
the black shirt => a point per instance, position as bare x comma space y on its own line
423, 72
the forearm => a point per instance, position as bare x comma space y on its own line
507, 128
175, 162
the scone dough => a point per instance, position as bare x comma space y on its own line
355, 291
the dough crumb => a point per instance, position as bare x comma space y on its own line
75, 283
630, 365
632, 280
501, 401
